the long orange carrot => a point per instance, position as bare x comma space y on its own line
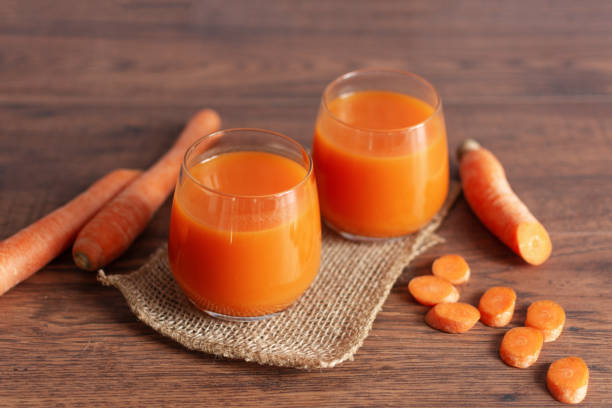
26, 252
118, 224
488, 192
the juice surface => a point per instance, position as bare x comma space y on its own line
249, 173
380, 110
245, 256
377, 177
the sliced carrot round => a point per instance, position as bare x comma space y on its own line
430, 290
533, 242
452, 317
521, 346
497, 306
567, 380
547, 316
451, 267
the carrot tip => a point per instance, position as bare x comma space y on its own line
467, 146
82, 261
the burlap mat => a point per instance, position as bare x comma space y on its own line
323, 328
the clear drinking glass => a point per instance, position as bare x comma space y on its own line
380, 154
245, 228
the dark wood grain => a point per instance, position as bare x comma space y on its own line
89, 86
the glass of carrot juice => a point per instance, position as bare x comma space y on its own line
245, 228
380, 154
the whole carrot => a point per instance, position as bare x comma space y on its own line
490, 196
26, 252
118, 224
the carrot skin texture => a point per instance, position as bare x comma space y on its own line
487, 191
567, 380
30, 249
118, 224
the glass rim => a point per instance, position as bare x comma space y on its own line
219, 133
436, 108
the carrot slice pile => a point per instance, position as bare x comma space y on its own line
451, 267
430, 290
521, 346
452, 317
490, 196
496, 306
546, 316
567, 380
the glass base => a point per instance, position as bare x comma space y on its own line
230, 318
361, 238
240, 318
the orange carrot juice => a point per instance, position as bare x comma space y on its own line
381, 161
245, 233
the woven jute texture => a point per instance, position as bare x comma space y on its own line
323, 328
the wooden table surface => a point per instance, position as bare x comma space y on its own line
89, 86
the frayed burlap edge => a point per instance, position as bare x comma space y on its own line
324, 335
